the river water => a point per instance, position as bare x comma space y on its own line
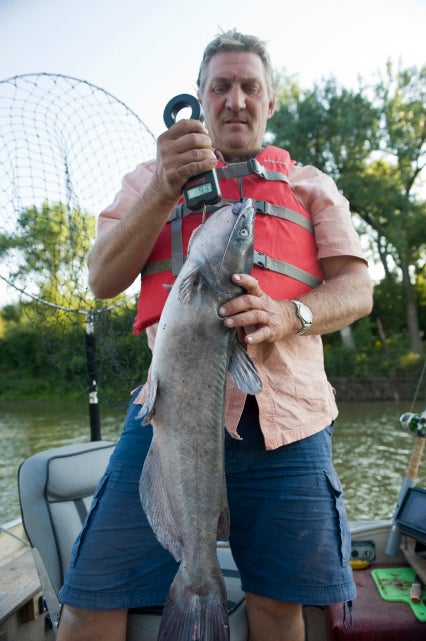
371, 452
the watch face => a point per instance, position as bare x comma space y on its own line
305, 314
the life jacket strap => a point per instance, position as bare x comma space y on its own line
181, 210
252, 166
263, 207
232, 171
178, 257
156, 267
259, 260
281, 267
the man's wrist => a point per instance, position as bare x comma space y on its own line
304, 314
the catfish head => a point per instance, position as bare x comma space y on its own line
223, 246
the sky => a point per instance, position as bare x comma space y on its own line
144, 52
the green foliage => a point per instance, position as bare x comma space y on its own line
372, 358
43, 340
421, 297
372, 142
40, 358
43, 358
327, 126
49, 248
389, 306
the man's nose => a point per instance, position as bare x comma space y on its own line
236, 98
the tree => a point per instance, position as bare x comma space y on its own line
47, 253
46, 257
330, 127
372, 142
402, 98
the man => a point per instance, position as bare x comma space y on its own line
289, 532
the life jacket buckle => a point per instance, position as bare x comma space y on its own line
256, 168
262, 207
260, 260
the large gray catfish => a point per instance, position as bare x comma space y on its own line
182, 485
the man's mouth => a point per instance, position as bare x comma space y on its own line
235, 121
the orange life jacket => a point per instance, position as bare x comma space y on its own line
285, 254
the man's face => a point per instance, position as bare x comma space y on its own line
236, 104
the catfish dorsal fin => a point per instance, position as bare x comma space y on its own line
243, 371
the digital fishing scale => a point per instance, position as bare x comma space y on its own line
202, 190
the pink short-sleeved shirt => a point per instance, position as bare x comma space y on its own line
297, 400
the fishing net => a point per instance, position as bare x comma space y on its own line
65, 145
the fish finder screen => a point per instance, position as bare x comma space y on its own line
411, 516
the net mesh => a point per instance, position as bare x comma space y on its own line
65, 145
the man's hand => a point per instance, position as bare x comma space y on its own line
183, 151
343, 297
262, 318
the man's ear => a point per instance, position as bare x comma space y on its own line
271, 106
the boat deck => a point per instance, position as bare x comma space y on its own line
22, 612
22, 615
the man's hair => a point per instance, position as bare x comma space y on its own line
239, 42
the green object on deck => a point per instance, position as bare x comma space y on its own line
394, 584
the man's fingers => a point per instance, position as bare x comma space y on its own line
249, 283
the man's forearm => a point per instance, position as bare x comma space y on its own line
119, 254
340, 301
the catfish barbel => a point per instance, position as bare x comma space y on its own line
182, 486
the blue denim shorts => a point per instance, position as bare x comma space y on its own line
289, 532
290, 535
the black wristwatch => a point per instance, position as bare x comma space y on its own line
304, 314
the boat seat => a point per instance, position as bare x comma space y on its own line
55, 491
372, 617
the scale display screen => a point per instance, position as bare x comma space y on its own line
200, 190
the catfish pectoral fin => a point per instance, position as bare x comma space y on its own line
147, 410
243, 371
156, 505
188, 286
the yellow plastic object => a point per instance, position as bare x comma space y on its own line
356, 564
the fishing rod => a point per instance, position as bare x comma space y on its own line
90, 342
416, 424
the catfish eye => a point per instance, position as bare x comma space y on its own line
244, 232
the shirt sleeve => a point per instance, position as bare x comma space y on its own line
132, 187
335, 234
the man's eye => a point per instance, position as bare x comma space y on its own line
252, 90
218, 89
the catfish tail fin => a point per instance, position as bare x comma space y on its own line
197, 618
